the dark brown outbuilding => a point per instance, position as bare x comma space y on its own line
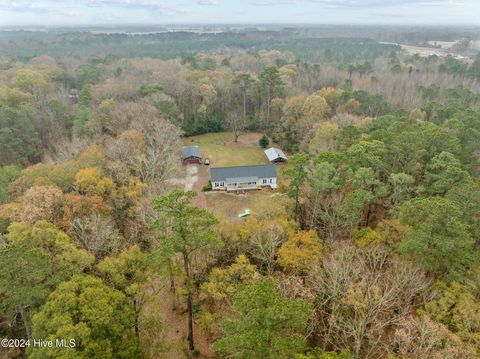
191, 154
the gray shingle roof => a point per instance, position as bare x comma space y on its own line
242, 179
260, 171
191, 151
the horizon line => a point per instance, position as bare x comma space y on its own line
299, 24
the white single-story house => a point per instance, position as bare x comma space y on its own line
275, 155
243, 177
191, 154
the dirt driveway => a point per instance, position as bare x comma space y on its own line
203, 177
195, 177
191, 177
187, 182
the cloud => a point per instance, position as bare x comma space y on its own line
59, 6
207, 2
360, 4
36, 7
211, 11
385, 3
130, 4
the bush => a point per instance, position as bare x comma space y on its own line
207, 187
264, 141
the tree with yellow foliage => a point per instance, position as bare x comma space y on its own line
352, 107
62, 174
13, 97
223, 283
367, 236
105, 119
455, 306
332, 95
298, 253
324, 138
30, 81
218, 292
315, 109
89, 181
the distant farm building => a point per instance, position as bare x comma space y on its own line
243, 177
275, 155
191, 154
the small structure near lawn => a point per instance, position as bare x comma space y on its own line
275, 155
242, 178
245, 213
191, 154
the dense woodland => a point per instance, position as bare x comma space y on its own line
375, 254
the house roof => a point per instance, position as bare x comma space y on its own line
261, 171
274, 153
242, 179
191, 151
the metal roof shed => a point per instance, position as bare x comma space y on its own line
275, 155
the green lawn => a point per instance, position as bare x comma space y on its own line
220, 149
229, 206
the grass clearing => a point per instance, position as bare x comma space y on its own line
222, 151
229, 205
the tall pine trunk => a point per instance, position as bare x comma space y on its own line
186, 264
25, 322
268, 107
244, 109
172, 285
297, 203
136, 325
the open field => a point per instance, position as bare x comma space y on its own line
443, 44
446, 48
221, 150
424, 51
230, 205
448, 45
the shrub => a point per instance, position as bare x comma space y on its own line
264, 141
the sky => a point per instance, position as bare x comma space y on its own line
143, 12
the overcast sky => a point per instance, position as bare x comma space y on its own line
108, 12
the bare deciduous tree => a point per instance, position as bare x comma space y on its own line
362, 294
264, 243
423, 338
97, 235
236, 124
149, 147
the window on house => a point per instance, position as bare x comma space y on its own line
264, 181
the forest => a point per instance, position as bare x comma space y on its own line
370, 248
